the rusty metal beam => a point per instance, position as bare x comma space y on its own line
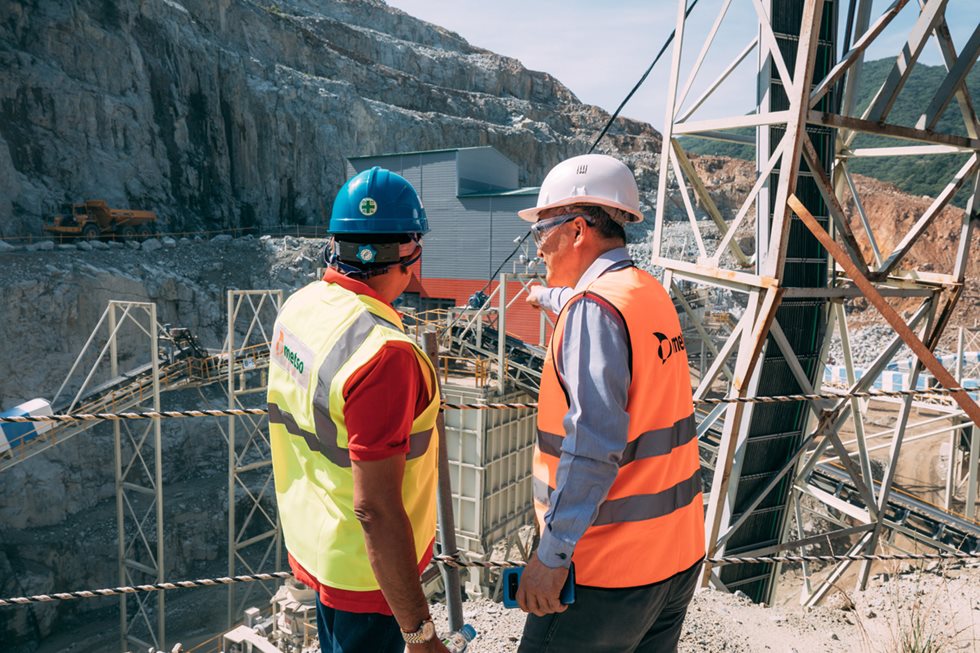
966, 145
884, 100
928, 359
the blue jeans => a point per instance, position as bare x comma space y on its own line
354, 632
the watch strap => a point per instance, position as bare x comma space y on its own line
422, 634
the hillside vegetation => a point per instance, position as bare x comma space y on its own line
925, 175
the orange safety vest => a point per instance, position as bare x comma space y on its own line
651, 524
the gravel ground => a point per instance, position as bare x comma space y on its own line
941, 608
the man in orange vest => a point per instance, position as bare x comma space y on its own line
617, 485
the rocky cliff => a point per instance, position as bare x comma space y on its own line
228, 113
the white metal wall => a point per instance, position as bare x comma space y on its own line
469, 236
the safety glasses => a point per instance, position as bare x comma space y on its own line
541, 228
413, 254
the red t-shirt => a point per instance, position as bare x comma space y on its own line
383, 398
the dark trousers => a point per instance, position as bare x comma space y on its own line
354, 632
645, 619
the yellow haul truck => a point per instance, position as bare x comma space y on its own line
94, 219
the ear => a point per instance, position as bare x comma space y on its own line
581, 232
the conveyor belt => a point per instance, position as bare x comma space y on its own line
920, 520
132, 389
524, 362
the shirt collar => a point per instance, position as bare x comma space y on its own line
605, 261
353, 285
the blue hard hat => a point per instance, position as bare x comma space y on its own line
377, 201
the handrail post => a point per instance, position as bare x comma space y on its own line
502, 336
444, 509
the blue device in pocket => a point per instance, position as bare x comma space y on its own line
512, 580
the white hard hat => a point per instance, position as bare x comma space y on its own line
595, 179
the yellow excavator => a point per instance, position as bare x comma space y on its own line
93, 219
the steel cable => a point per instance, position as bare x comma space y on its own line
237, 412
459, 561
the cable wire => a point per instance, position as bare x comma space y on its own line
602, 133
705, 401
459, 561
643, 78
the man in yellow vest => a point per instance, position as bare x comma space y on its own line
352, 411
617, 486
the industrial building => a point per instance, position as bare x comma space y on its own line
471, 198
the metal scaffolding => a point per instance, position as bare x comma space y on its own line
254, 532
807, 126
126, 331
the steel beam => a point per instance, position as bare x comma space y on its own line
953, 82
909, 150
668, 133
795, 135
973, 474
732, 122
942, 200
758, 318
254, 542
139, 486
963, 144
914, 343
850, 63
681, 159
948, 51
884, 100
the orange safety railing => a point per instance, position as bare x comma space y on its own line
478, 367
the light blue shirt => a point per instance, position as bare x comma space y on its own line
594, 365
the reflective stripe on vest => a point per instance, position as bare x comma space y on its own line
651, 524
324, 334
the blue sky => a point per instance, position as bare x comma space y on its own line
599, 52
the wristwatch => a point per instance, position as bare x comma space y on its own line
424, 633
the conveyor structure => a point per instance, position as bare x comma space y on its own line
928, 525
188, 369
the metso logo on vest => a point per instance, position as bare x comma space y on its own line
668, 345
290, 354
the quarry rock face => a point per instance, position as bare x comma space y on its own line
221, 113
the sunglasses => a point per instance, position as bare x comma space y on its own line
540, 229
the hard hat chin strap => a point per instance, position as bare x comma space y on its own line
335, 252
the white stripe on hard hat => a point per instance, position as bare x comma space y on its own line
595, 179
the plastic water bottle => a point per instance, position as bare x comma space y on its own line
458, 641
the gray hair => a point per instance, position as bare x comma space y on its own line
607, 221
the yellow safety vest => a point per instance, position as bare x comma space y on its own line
324, 334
